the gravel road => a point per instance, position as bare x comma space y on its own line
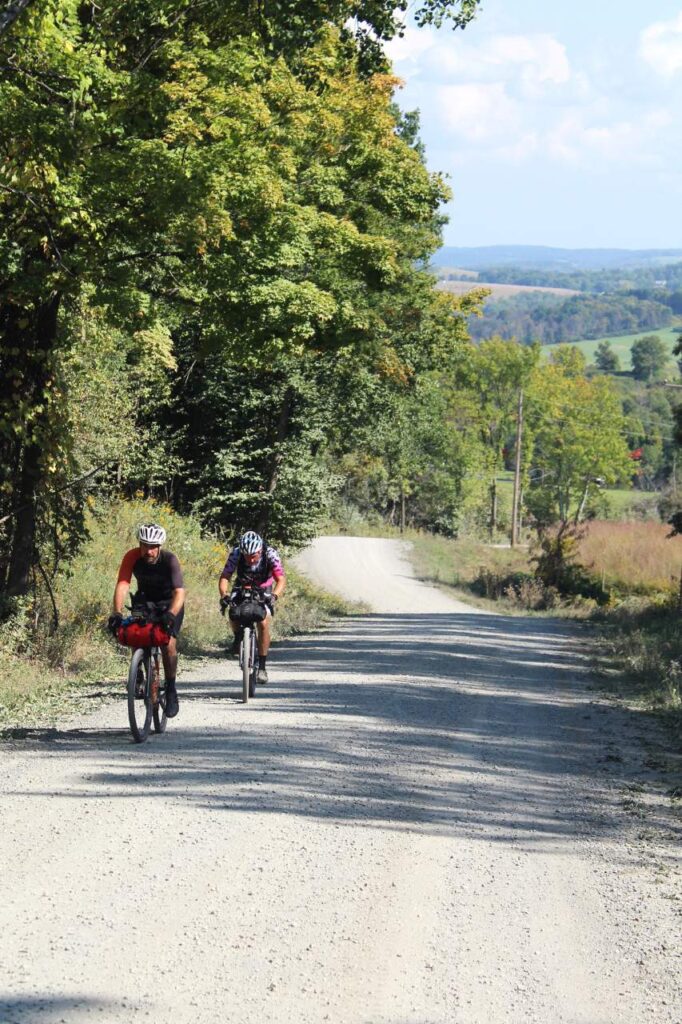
429, 817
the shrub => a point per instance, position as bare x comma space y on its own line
518, 588
557, 566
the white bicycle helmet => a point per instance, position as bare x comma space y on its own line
250, 543
150, 533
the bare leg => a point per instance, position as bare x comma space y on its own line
169, 653
264, 636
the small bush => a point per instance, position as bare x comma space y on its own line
521, 589
557, 566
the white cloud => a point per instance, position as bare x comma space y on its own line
410, 47
661, 46
532, 62
478, 112
575, 140
519, 98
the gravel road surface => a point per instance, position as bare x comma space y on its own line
428, 817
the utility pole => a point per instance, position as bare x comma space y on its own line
517, 473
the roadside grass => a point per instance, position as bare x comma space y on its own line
44, 677
640, 656
632, 557
622, 344
459, 563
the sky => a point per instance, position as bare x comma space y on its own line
558, 122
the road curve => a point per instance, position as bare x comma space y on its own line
428, 818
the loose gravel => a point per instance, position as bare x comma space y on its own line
428, 817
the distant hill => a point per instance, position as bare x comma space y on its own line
545, 257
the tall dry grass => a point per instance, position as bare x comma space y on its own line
632, 556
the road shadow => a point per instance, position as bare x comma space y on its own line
48, 1009
452, 724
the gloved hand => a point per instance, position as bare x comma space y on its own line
114, 623
168, 622
224, 603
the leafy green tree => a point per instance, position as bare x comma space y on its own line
570, 359
579, 443
489, 381
649, 358
606, 359
166, 163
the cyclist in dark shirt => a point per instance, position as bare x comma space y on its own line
160, 587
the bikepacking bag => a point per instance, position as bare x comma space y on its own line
142, 634
248, 612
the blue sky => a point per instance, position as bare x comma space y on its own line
559, 122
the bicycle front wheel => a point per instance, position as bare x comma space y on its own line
253, 664
139, 696
158, 693
245, 661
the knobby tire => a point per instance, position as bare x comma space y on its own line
254, 664
139, 699
246, 662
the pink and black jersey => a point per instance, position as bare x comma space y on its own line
263, 574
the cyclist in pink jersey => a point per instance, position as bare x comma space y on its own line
258, 564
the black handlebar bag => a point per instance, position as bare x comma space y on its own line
247, 612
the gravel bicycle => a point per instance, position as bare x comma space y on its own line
146, 686
248, 607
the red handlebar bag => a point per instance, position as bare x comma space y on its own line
148, 634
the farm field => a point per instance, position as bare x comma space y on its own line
621, 500
501, 291
621, 344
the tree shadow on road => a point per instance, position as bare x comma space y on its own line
48, 1009
479, 726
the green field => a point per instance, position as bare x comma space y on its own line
621, 344
621, 500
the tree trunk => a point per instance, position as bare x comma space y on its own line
37, 342
493, 507
583, 501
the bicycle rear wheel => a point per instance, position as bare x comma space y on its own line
139, 696
245, 661
158, 693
